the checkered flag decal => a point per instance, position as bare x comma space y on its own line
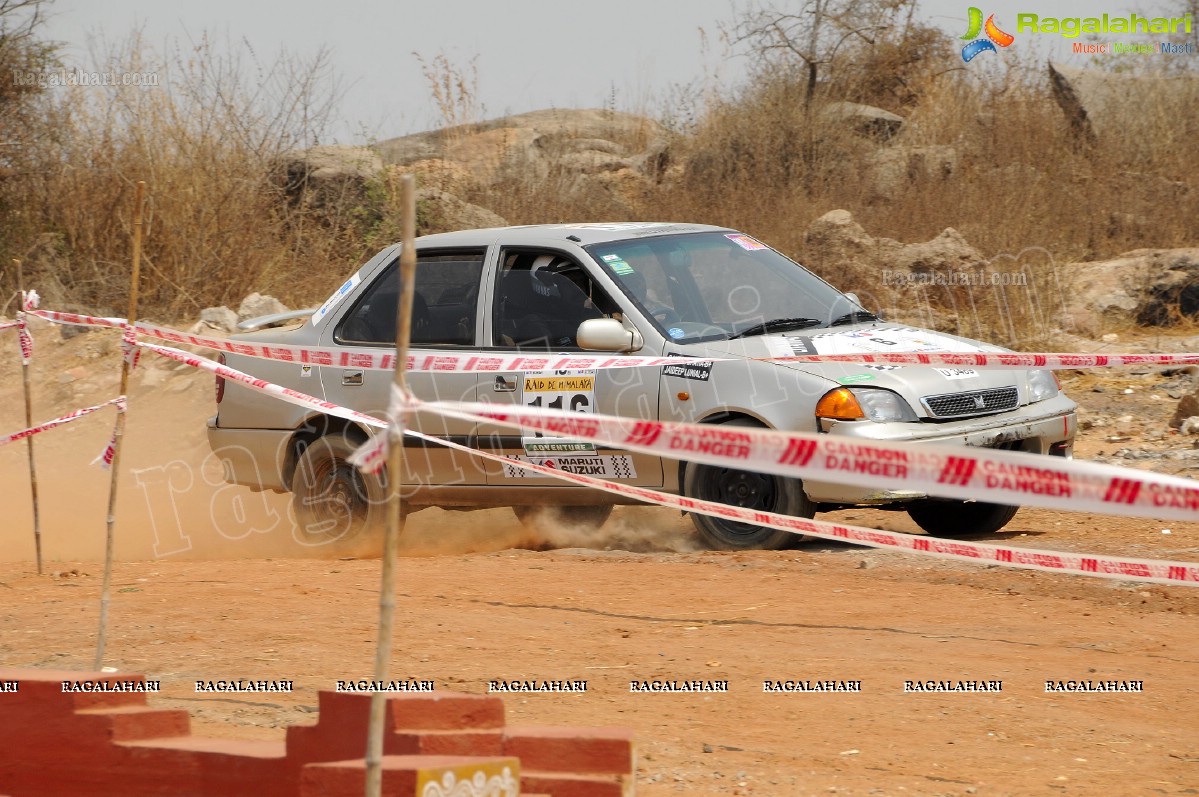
622, 468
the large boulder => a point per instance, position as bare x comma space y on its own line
836, 240
331, 176
865, 120
441, 211
836, 243
948, 252
583, 140
889, 170
256, 305
1151, 287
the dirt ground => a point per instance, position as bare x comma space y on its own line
210, 584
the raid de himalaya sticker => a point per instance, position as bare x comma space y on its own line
745, 242
675, 332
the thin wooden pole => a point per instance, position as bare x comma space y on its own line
395, 512
37, 527
119, 428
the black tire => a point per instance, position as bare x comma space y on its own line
961, 518
552, 518
763, 492
333, 500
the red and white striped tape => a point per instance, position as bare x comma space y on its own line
367, 360
1002, 360
954, 471
110, 451
78, 319
1112, 567
25, 338
119, 401
9, 325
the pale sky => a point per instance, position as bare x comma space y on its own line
531, 54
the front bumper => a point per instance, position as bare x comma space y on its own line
1042, 428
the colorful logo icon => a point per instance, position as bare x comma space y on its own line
976, 45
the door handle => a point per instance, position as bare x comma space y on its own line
351, 378
502, 385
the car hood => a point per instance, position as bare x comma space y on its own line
911, 382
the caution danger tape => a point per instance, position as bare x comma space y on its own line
119, 402
376, 360
953, 471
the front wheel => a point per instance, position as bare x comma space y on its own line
332, 499
961, 518
762, 492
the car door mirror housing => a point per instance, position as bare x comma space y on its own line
608, 334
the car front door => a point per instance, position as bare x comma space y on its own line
539, 299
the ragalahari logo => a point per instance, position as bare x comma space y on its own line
976, 45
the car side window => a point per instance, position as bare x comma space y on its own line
444, 304
540, 300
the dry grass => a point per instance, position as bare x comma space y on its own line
209, 140
1000, 164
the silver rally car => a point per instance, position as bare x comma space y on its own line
652, 289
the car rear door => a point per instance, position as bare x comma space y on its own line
446, 321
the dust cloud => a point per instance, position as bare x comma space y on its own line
172, 499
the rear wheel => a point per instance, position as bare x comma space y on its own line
762, 492
961, 518
332, 499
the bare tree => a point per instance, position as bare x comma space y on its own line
811, 36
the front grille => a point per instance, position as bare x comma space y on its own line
975, 402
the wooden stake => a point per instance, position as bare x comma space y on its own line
395, 512
37, 527
119, 428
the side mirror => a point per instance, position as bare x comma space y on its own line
608, 334
853, 297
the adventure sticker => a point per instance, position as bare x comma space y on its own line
548, 446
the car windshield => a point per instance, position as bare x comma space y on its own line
711, 285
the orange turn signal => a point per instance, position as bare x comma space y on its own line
839, 404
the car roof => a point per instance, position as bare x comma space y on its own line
580, 234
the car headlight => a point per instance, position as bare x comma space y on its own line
1041, 385
858, 403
